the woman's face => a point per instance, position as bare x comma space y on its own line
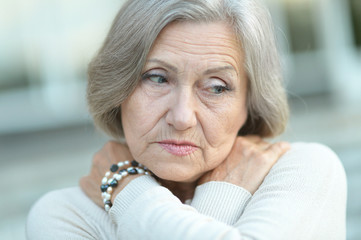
182, 119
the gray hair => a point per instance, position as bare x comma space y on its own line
116, 70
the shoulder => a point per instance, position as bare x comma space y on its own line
60, 195
64, 213
61, 201
311, 149
313, 157
312, 166
302, 187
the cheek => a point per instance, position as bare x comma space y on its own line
140, 115
135, 112
133, 118
220, 130
236, 120
222, 126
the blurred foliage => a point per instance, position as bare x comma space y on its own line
355, 14
300, 25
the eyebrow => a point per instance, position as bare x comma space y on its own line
219, 69
207, 72
174, 69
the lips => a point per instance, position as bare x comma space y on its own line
178, 148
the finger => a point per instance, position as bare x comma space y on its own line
82, 182
255, 141
263, 145
276, 150
117, 152
111, 153
100, 164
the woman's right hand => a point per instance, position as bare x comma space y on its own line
248, 163
111, 153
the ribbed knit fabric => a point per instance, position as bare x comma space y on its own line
227, 206
302, 197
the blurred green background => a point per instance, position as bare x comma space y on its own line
46, 136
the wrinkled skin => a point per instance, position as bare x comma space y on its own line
182, 119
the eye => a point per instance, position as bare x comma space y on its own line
156, 78
218, 89
216, 86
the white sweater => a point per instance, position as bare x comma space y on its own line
302, 197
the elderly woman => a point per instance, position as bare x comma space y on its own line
194, 86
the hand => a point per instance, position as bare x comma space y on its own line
248, 163
111, 153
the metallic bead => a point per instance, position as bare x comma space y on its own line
132, 171
113, 183
109, 203
104, 187
114, 168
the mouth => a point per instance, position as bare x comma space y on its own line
178, 148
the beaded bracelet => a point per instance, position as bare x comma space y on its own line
108, 185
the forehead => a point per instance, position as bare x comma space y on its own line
201, 40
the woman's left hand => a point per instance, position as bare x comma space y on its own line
111, 153
248, 163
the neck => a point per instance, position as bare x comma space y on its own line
182, 190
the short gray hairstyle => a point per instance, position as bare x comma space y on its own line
115, 71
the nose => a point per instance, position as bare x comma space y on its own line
182, 110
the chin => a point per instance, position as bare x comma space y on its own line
177, 175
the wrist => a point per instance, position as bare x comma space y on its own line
122, 185
123, 173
